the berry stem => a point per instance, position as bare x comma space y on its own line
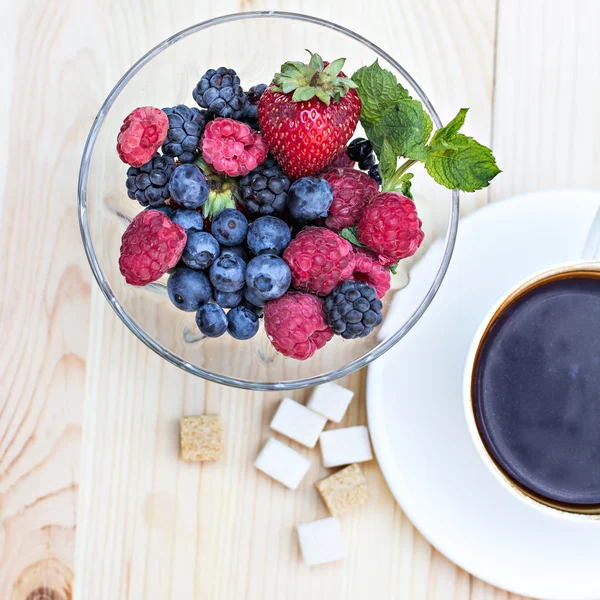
392, 183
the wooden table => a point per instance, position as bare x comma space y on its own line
94, 503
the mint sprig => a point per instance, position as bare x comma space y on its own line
398, 125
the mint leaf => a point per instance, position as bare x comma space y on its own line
462, 163
446, 132
375, 135
378, 91
351, 234
405, 185
456, 160
388, 161
407, 127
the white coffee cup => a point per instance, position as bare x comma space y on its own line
589, 265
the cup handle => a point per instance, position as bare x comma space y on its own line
591, 248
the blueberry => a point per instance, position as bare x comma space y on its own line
211, 320
188, 219
228, 299
227, 273
167, 210
243, 323
309, 198
268, 276
200, 250
268, 234
188, 289
252, 297
257, 310
188, 186
240, 250
230, 227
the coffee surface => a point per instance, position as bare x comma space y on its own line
536, 390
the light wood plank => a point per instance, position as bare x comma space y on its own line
547, 94
44, 296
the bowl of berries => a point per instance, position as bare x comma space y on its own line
245, 212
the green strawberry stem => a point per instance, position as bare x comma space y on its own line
223, 190
313, 79
394, 181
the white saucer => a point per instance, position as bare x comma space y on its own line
416, 417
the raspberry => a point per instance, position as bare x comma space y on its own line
151, 245
232, 147
353, 310
369, 269
352, 190
141, 135
340, 161
319, 260
390, 226
295, 324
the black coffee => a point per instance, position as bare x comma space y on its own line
536, 389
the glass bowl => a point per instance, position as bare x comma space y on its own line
253, 44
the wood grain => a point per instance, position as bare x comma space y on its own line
44, 302
107, 511
547, 91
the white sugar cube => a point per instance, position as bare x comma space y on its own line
282, 463
321, 541
330, 400
298, 422
345, 446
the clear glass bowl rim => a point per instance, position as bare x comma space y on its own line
122, 313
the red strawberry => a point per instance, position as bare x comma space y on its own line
308, 114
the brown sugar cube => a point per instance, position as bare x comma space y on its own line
201, 437
344, 490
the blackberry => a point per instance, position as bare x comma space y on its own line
253, 95
353, 310
220, 92
374, 174
264, 190
364, 164
361, 151
186, 126
359, 148
149, 184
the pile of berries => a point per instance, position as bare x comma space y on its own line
247, 200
